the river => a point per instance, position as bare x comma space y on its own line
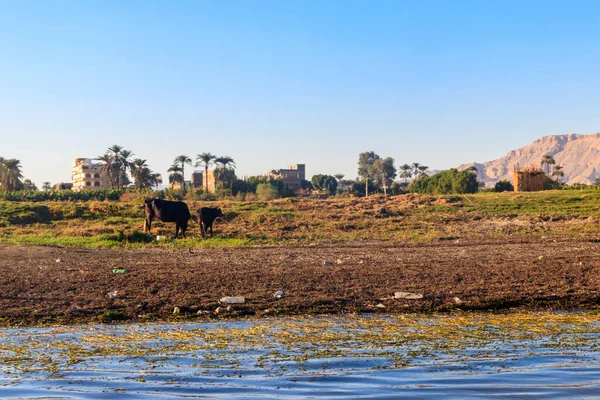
465, 355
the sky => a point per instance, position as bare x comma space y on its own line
272, 83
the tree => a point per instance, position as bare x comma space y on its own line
176, 175
447, 182
474, 169
365, 167
10, 174
423, 170
46, 185
265, 191
156, 179
415, 167
205, 159
406, 172
558, 173
28, 185
384, 172
547, 160
503, 186
125, 164
143, 176
327, 183
225, 170
114, 165
107, 168
182, 160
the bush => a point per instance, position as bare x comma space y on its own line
504, 186
63, 195
451, 181
266, 191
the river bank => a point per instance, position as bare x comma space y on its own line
74, 285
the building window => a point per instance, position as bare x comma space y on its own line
88, 184
88, 175
96, 175
96, 183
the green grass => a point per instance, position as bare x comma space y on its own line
413, 218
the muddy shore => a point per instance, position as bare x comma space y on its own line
73, 285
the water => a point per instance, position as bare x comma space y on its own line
523, 355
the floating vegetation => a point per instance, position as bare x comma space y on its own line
276, 345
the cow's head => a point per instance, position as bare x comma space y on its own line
149, 206
219, 212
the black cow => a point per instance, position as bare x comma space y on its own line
205, 218
167, 211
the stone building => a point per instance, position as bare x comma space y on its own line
292, 176
198, 182
86, 175
528, 179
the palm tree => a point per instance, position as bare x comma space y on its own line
108, 168
46, 185
176, 175
125, 165
225, 169
156, 179
406, 172
205, 159
558, 173
423, 170
473, 168
415, 167
10, 174
547, 160
182, 159
140, 173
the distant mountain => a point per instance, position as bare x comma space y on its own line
578, 154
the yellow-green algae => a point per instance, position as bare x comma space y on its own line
273, 344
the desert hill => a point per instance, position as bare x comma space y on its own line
578, 154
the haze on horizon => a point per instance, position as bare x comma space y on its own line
271, 83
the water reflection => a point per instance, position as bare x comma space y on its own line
519, 355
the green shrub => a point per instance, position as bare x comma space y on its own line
504, 186
265, 191
64, 195
451, 181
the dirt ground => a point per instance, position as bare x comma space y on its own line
71, 285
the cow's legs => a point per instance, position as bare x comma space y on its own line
176, 230
184, 226
203, 230
148, 225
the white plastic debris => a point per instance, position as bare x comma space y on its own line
176, 310
457, 300
407, 295
58, 260
380, 306
112, 295
232, 300
278, 294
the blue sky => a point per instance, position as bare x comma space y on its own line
271, 83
